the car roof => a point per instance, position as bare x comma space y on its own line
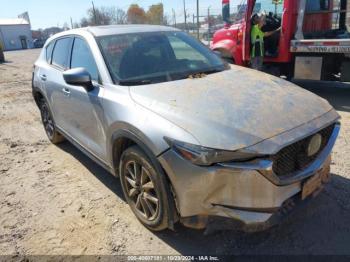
126, 29
97, 31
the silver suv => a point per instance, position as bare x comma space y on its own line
191, 138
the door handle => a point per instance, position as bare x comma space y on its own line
43, 77
66, 91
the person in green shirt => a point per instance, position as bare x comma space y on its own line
257, 40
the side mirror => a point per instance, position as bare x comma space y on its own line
78, 77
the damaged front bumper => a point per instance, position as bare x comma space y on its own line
249, 193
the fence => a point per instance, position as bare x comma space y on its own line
210, 20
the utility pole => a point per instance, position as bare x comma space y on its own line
276, 9
174, 17
197, 19
185, 14
94, 11
71, 23
209, 25
193, 24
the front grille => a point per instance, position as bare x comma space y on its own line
294, 157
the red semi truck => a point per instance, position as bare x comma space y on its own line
314, 42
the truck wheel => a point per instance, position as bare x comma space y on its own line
49, 124
146, 191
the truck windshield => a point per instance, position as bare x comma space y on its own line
145, 58
272, 8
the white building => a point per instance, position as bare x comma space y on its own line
15, 34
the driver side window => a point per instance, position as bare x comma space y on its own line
82, 57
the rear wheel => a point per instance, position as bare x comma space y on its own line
46, 117
145, 190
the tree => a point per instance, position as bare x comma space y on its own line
136, 14
103, 16
100, 16
76, 25
65, 26
84, 22
120, 17
155, 14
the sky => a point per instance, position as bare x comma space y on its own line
47, 13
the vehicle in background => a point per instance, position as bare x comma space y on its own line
208, 34
314, 42
38, 43
191, 138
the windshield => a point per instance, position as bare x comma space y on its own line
145, 58
272, 8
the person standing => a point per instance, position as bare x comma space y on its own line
257, 40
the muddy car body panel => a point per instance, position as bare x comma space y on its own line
192, 125
232, 111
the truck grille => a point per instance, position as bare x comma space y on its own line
294, 157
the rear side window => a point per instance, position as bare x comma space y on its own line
82, 57
49, 50
61, 52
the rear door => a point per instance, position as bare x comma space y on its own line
54, 83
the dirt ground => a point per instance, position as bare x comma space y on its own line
54, 200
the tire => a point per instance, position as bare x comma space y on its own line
49, 124
146, 190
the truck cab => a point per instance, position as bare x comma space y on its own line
307, 26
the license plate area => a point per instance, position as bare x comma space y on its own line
314, 185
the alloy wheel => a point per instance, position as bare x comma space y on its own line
141, 190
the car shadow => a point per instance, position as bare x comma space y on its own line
110, 181
320, 227
337, 93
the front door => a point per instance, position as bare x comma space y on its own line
84, 113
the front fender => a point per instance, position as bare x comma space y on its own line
229, 49
125, 130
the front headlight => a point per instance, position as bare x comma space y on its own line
204, 156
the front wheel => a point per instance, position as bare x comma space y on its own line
146, 191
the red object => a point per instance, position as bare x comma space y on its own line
234, 40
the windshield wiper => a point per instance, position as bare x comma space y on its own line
199, 73
210, 71
135, 82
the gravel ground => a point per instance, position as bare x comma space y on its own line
54, 200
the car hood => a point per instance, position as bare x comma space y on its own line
232, 109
